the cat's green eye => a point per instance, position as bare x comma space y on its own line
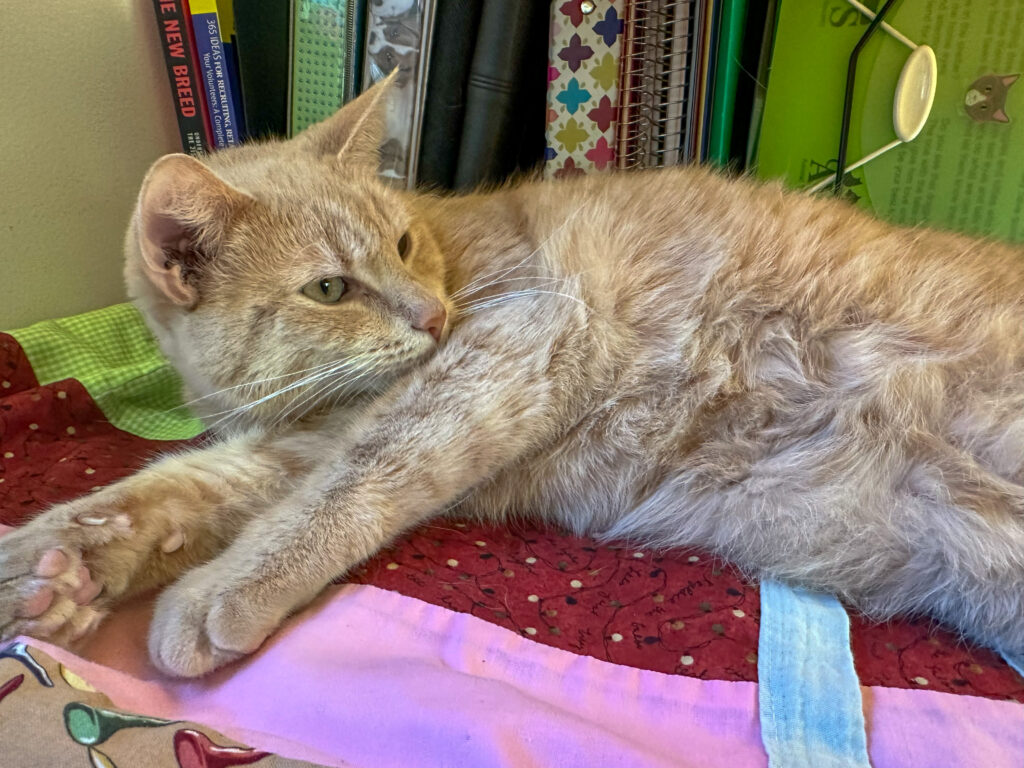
326, 290
403, 246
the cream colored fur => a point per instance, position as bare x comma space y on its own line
669, 357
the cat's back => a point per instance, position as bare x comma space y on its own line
719, 304
659, 242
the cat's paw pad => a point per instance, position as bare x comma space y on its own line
200, 625
53, 569
53, 600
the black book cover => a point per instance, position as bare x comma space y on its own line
355, 47
455, 30
186, 89
503, 128
264, 42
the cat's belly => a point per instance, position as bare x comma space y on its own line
585, 481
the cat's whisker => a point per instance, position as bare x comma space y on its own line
317, 392
357, 372
502, 272
232, 412
543, 280
472, 288
255, 383
467, 289
498, 273
506, 297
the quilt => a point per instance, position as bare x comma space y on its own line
463, 644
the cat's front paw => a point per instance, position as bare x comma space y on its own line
206, 620
51, 572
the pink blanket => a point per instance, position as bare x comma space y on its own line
367, 677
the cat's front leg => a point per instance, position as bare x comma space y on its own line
62, 571
462, 417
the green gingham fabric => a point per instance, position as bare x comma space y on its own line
111, 352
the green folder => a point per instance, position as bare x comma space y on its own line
963, 172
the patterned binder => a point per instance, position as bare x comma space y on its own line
583, 86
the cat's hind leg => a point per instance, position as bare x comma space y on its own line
965, 551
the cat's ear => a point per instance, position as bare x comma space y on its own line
1000, 116
1009, 79
355, 132
182, 211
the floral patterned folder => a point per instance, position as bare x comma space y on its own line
583, 86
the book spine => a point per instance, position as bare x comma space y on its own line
186, 89
200, 90
355, 40
216, 80
229, 39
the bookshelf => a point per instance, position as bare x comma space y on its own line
485, 87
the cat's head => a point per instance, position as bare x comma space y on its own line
272, 263
985, 100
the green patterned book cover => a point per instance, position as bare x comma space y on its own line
318, 61
965, 171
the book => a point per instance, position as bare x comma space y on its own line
455, 32
213, 64
355, 44
318, 66
964, 171
504, 117
398, 35
186, 87
705, 75
583, 86
229, 39
760, 86
724, 89
264, 42
663, 104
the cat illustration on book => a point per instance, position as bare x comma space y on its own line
670, 358
985, 100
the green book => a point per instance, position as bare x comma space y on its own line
319, 46
965, 171
727, 72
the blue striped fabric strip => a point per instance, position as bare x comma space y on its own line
810, 702
1017, 662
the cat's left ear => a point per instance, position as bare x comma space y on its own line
183, 211
1010, 79
355, 132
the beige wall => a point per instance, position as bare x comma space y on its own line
84, 109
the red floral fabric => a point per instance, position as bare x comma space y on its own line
682, 612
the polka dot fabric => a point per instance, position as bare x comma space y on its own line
682, 612
55, 443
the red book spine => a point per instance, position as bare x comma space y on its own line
186, 89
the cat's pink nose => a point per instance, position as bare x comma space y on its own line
431, 319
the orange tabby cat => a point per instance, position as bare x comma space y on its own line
669, 357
